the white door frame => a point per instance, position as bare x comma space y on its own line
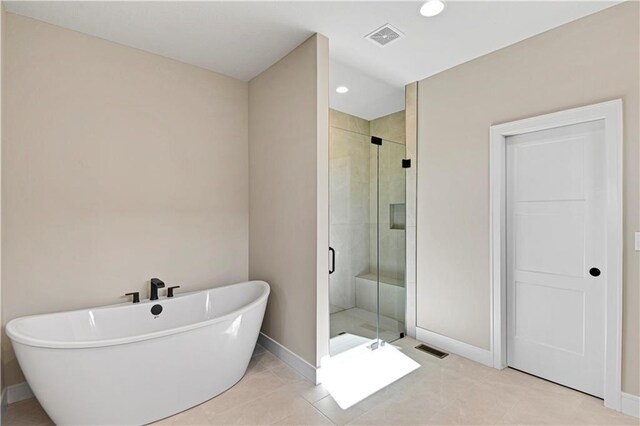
611, 113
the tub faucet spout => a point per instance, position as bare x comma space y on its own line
156, 283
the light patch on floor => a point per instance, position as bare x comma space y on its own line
354, 375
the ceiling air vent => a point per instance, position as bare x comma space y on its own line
385, 35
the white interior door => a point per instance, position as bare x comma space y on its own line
555, 248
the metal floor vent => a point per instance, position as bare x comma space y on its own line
385, 35
432, 351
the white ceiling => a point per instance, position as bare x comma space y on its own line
241, 39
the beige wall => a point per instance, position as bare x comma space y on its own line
288, 163
587, 61
117, 165
411, 142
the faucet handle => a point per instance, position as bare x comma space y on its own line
136, 296
170, 290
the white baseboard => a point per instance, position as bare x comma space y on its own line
630, 404
288, 357
18, 392
474, 353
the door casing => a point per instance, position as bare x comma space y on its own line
611, 113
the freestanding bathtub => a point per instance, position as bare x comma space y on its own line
121, 364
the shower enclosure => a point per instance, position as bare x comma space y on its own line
367, 230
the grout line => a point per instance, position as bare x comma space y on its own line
312, 406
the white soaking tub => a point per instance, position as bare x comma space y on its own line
121, 364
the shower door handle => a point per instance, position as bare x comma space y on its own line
333, 260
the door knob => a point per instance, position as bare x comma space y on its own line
594, 272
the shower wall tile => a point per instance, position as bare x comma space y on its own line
392, 190
339, 191
390, 127
359, 203
359, 249
392, 298
349, 208
341, 292
341, 120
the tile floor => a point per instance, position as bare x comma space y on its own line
448, 391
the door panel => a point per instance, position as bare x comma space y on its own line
567, 304
555, 234
550, 243
550, 170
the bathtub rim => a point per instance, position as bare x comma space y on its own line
17, 337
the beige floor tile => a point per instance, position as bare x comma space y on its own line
287, 374
535, 407
308, 415
262, 411
469, 369
309, 391
27, 412
267, 359
255, 366
592, 411
193, 417
478, 409
258, 350
410, 387
248, 389
442, 385
399, 409
330, 408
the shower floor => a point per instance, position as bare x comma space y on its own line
359, 322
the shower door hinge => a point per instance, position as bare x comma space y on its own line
406, 163
377, 344
376, 140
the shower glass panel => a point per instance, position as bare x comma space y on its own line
366, 214
391, 240
351, 226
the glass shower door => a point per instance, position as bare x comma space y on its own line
391, 265
366, 288
353, 306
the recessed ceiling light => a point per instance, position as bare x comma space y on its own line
432, 8
342, 89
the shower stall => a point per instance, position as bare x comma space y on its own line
367, 216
